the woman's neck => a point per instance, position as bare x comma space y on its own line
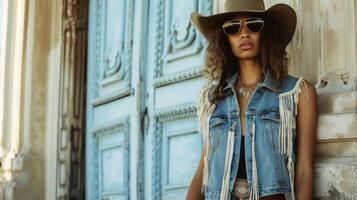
250, 71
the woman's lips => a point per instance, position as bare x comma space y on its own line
246, 46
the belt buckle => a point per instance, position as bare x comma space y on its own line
241, 189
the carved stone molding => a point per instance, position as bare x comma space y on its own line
113, 126
113, 62
178, 44
188, 74
175, 48
92, 92
156, 161
176, 112
333, 83
159, 38
114, 96
179, 40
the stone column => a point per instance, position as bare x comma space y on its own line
337, 87
13, 144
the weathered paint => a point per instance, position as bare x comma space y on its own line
337, 126
336, 178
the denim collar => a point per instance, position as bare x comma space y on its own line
269, 82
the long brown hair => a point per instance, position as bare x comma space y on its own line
220, 62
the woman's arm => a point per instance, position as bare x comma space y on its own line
194, 191
306, 139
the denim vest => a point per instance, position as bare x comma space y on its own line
269, 139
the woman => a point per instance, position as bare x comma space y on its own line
258, 122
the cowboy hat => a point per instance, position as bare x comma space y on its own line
281, 15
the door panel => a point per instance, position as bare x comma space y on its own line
112, 37
109, 100
181, 152
143, 140
112, 142
173, 140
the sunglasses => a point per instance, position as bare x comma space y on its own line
233, 27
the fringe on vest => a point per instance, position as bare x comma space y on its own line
228, 162
204, 111
288, 110
254, 192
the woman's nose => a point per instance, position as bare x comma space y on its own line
244, 33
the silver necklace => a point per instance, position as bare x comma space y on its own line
247, 91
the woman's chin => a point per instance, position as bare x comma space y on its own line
247, 55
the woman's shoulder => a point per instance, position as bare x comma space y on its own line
298, 85
292, 82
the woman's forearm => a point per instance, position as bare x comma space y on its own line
194, 191
304, 186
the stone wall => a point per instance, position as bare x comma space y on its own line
324, 51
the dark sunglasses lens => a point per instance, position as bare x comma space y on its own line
232, 29
255, 26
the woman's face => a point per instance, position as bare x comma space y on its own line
245, 44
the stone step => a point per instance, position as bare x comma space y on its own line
332, 127
338, 103
336, 149
337, 135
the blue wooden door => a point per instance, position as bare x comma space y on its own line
142, 139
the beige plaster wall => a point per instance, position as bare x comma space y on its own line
30, 184
25, 177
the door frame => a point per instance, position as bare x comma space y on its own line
65, 100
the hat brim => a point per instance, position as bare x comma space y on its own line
282, 15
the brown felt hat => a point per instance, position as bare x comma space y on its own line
281, 15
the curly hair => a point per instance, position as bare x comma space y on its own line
220, 62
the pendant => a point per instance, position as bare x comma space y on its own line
243, 91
